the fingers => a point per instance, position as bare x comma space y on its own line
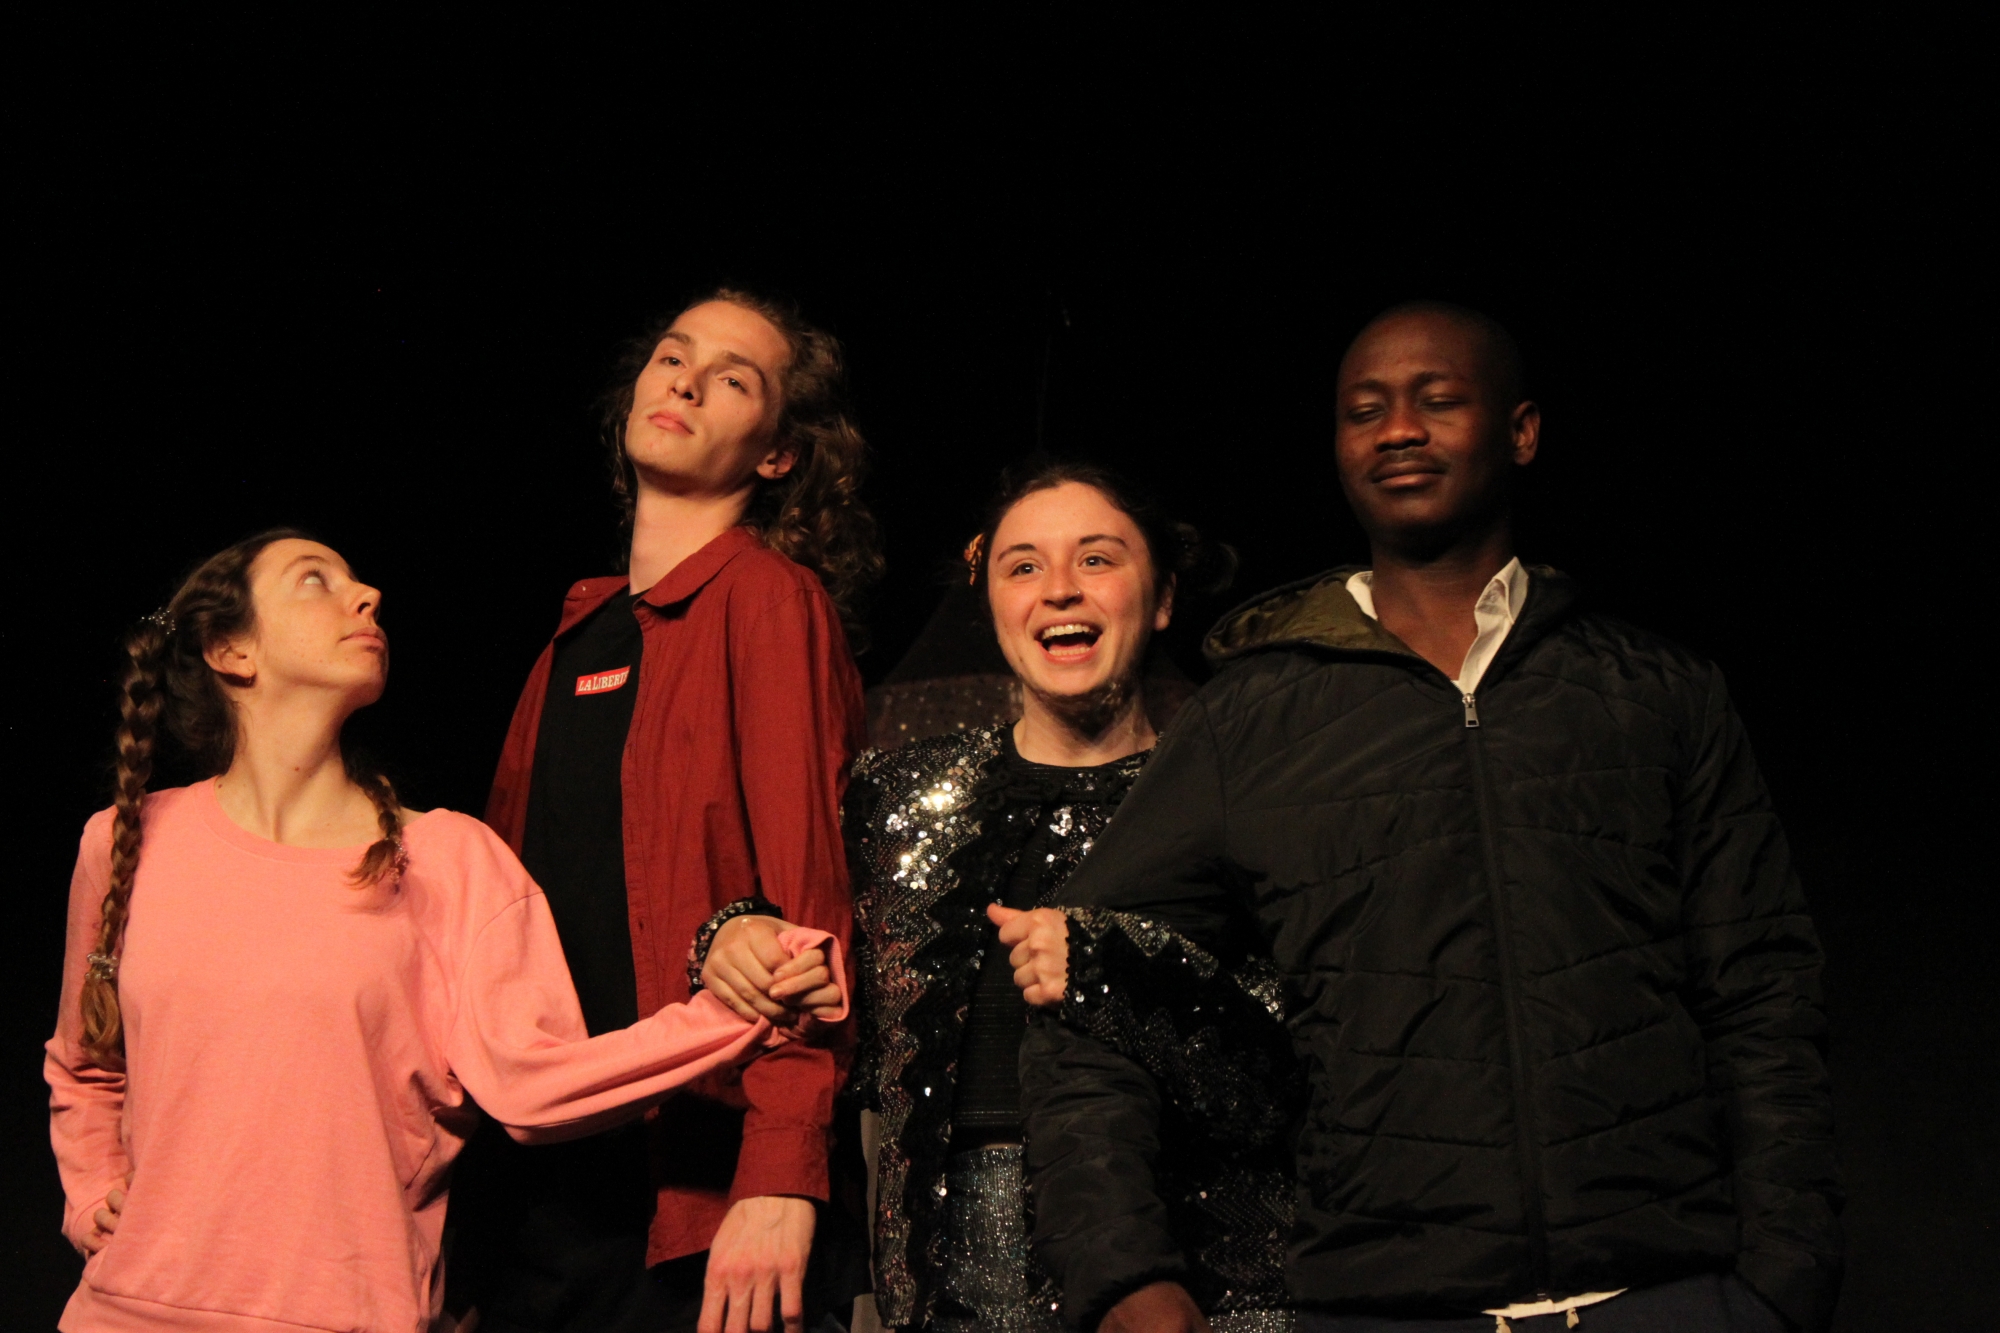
751, 1308
747, 947
1042, 996
751, 987
805, 961
789, 991
826, 1002
1004, 917
808, 965
722, 991
1039, 989
792, 1301
714, 1301
764, 944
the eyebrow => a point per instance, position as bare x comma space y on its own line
311, 557
733, 358
737, 359
1080, 541
1422, 379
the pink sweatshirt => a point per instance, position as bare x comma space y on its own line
299, 1057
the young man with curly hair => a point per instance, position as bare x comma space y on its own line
680, 747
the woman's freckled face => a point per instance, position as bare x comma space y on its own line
316, 622
1071, 586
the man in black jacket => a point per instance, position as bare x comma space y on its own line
1551, 977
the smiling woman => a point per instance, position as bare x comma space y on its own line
1080, 570
957, 843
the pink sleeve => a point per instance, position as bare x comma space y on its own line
518, 1044
86, 1100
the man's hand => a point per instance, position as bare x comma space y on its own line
1040, 943
1163, 1307
758, 1259
105, 1221
748, 970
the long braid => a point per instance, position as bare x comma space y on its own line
169, 686
385, 855
139, 706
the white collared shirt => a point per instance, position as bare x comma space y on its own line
1494, 615
1498, 607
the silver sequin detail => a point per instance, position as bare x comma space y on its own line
991, 1282
1231, 1202
908, 806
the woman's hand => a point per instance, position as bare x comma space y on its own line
105, 1222
1040, 943
805, 985
749, 970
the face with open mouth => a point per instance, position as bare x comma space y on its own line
1072, 588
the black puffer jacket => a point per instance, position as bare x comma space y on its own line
1553, 983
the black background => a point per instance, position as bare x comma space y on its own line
369, 279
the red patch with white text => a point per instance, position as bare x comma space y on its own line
603, 682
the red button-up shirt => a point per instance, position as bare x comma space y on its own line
748, 714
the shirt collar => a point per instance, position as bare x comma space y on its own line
688, 577
1509, 586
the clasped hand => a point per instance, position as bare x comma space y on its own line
1039, 940
749, 970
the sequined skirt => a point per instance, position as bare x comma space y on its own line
991, 1281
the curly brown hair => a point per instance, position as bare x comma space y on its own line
167, 681
814, 513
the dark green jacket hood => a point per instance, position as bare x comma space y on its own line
1319, 612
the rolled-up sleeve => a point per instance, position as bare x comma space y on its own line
797, 714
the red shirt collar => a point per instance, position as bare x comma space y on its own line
683, 581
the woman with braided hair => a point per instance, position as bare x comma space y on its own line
282, 988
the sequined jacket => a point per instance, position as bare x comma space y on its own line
909, 815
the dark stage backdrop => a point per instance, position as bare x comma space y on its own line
372, 289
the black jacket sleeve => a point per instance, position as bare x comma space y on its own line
1092, 1113
1092, 1121
1754, 982
1164, 855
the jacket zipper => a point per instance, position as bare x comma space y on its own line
1530, 1148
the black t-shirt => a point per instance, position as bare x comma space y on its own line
574, 842
552, 1238
986, 1100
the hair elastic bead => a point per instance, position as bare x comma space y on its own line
159, 618
103, 966
973, 550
